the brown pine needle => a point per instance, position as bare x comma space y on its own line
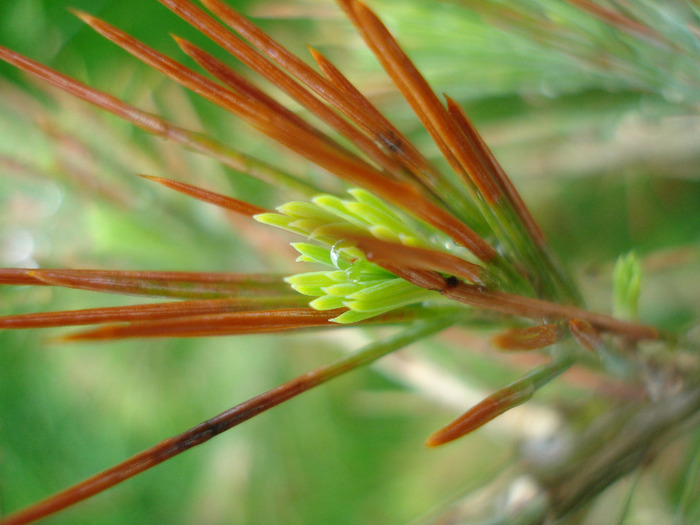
255, 320
19, 277
147, 312
234, 323
499, 402
189, 285
383, 252
496, 173
216, 199
476, 417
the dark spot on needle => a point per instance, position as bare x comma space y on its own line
451, 282
391, 142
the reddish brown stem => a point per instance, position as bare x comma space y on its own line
539, 309
517, 305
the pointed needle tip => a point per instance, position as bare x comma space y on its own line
179, 40
85, 17
82, 336
436, 440
60, 339
460, 427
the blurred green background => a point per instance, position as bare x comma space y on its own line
607, 158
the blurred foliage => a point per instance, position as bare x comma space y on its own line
606, 156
